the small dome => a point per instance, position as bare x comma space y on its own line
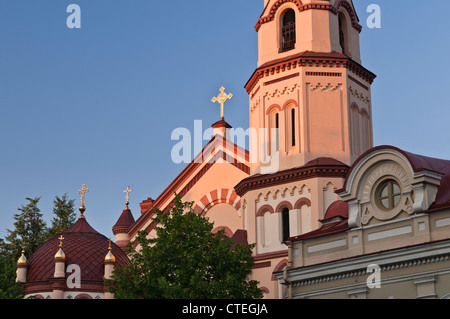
60, 254
109, 256
22, 260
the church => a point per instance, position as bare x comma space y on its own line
314, 195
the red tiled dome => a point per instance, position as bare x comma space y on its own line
83, 246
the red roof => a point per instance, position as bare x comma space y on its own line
83, 246
339, 211
324, 230
441, 166
124, 222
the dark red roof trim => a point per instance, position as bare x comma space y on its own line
322, 167
308, 59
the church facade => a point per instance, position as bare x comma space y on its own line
327, 211
310, 98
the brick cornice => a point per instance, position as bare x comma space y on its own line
288, 176
308, 59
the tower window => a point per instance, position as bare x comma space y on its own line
273, 138
293, 126
343, 34
277, 126
285, 224
288, 31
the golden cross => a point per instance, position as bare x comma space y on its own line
61, 238
83, 192
222, 98
128, 191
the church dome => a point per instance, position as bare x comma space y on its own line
83, 246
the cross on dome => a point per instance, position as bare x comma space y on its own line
128, 191
83, 192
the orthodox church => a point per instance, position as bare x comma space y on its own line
310, 116
314, 195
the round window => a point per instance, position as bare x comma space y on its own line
388, 195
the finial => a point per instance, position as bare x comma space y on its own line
109, 256
222, 98
82, 208
60, 254
128, 191
22, 260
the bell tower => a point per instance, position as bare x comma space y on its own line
310, 97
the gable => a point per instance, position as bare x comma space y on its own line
220, 165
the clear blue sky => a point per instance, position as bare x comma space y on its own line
97, 105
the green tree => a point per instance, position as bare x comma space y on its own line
29, 232
64, 215
9, 289
185, 261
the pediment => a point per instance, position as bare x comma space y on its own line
386, 184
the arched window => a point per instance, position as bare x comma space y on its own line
343, 33
290, 127
288, 31
285, 224
365, 125
293, 127
355, 130
277, 126
274, 132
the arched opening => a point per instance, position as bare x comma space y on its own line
274, 132
354, 130
285, 224
288, 35
291, 140
293, 127
343, 33
365, 126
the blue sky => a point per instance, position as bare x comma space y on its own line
97, 105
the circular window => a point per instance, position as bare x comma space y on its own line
388, 195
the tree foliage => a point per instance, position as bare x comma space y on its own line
29, 233
9, 289
185, 261
64, 215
